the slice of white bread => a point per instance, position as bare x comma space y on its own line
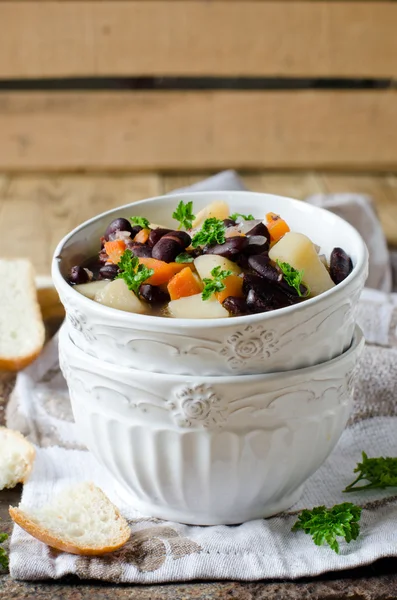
80, 520
16, 458
21, 325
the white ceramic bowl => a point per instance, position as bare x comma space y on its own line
210, 450
298, 336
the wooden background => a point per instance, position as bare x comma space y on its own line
103, 102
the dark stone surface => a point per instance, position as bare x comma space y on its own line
376, 586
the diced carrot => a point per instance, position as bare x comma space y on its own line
183, 284
234, 287
187, 264
179, 266
163, 271
142, 236
276, 226
114, 250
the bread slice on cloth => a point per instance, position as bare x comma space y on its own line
16, 458
21, 325
80, 520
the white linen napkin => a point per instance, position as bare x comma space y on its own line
161, 551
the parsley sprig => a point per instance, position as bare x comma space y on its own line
144, 223
326, 524
293, 277
184, 257
215, 284
184, 214
132, 272
379, 472
3, 554
235, 216
212, 232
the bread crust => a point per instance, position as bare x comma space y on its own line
42, 534
29, 456
17, 363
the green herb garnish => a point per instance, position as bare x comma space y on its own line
215, 284
132, 272
184, 214
293, 277
379, 472
212, 232
235, 216
325, 524
141, 221
184, 257
3, 554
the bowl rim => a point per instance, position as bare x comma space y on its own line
119, 315
357, 343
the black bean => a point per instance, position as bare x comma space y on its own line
242, 261
78, 275
253, 281
257, 244
340, 265
119, 224
272, 294
108, 272
156, 234
167, 249
261, 265
170, 245
230, 249
140, 249
260, 229
236, 306
274, 273
183, 236
153, 294
292, 292
256, 303
229, 222
278, 298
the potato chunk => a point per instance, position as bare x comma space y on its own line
194, 307
205, 263
300, 252
217, 210
117, 295
90, 289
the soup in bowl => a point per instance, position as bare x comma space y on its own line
212, 283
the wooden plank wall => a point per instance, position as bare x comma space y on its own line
104, 102
194, 129
171, 130
198, 37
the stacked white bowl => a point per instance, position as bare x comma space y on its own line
213, 421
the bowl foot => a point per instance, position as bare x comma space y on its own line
168, 513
